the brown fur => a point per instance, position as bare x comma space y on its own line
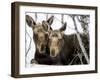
40, 37
40, 32
63, 48
56, 41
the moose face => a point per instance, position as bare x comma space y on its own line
40, 32
56, 41
40, 38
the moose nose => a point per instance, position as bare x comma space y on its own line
53, 53
41, 37
42, 47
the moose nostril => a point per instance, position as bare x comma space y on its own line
53, 53
42, 47
41, 37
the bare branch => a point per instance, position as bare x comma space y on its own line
36, 17
29, 44
62, 18
46, 16
73, 59
80, 41
28, 48
80, 57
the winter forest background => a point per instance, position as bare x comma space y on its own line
75, 23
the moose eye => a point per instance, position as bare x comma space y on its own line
54, 35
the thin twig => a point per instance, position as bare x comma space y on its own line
80, 57
73, 59
28, 48
46, 16
29, 44
36, 17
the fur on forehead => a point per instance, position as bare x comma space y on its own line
38, 27
38, 24
56, 32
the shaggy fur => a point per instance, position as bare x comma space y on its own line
63, 48
40, 37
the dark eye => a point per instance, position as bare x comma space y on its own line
54, 35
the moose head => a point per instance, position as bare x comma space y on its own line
56, 41
40, 32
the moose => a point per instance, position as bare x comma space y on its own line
40, 37
63, 48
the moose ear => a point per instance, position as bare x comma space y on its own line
50, 20
46, 26
30, 21
63, 28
